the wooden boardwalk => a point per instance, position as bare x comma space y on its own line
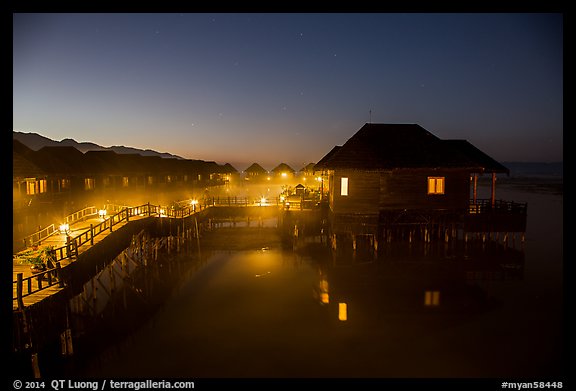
38, 286
30, 288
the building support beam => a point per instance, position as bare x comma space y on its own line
493, 194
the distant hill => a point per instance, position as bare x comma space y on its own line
35, 142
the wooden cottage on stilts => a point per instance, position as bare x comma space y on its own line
392, 182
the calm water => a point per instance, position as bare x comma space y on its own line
268, 312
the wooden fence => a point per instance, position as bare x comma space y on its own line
36, 238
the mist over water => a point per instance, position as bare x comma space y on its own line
261, 312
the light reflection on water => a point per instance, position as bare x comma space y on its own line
270, 312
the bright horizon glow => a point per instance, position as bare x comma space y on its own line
269, 88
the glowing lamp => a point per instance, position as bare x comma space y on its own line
284, 175
64, 228
102, 213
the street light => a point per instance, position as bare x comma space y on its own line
102, 213
64, 228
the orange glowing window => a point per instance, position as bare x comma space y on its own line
432, 298
435, 185
88, 183
342, 312
36, 186
42, 186
125, 181
344, 186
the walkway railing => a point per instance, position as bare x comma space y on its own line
485, 206
45, 279
50, 277
36, 238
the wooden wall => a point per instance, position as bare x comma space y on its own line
363, 192
408, 189
372, 191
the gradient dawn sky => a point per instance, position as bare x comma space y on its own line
271, 88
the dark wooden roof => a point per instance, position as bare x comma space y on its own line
229, 169
283, 167
397, 146
309, 168
61, 160
479, 157
24, 168
256, 169
322, 162
103, 162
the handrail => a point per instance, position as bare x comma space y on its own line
70, 250
485, 206
36, 238
53, 276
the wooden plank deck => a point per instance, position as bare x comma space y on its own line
58, 240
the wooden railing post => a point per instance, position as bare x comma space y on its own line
128, 214
59, 275
111, 222
148, 209
68, 255
76, 247
19, 291
91, 234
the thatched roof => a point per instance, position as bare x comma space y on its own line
322, 162
396, 146
308, 169
473, 153
229, 169
283, 167
24, 168
255, 168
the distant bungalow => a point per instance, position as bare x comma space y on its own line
283, 170
307, 171
400, 180
55, 181
255, 172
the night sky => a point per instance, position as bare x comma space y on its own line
273, 88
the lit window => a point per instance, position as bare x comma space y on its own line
344, 186
88, 183
150, 180
42, 188
125, 181
342, 312
30, 187
435, 185
432, 298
